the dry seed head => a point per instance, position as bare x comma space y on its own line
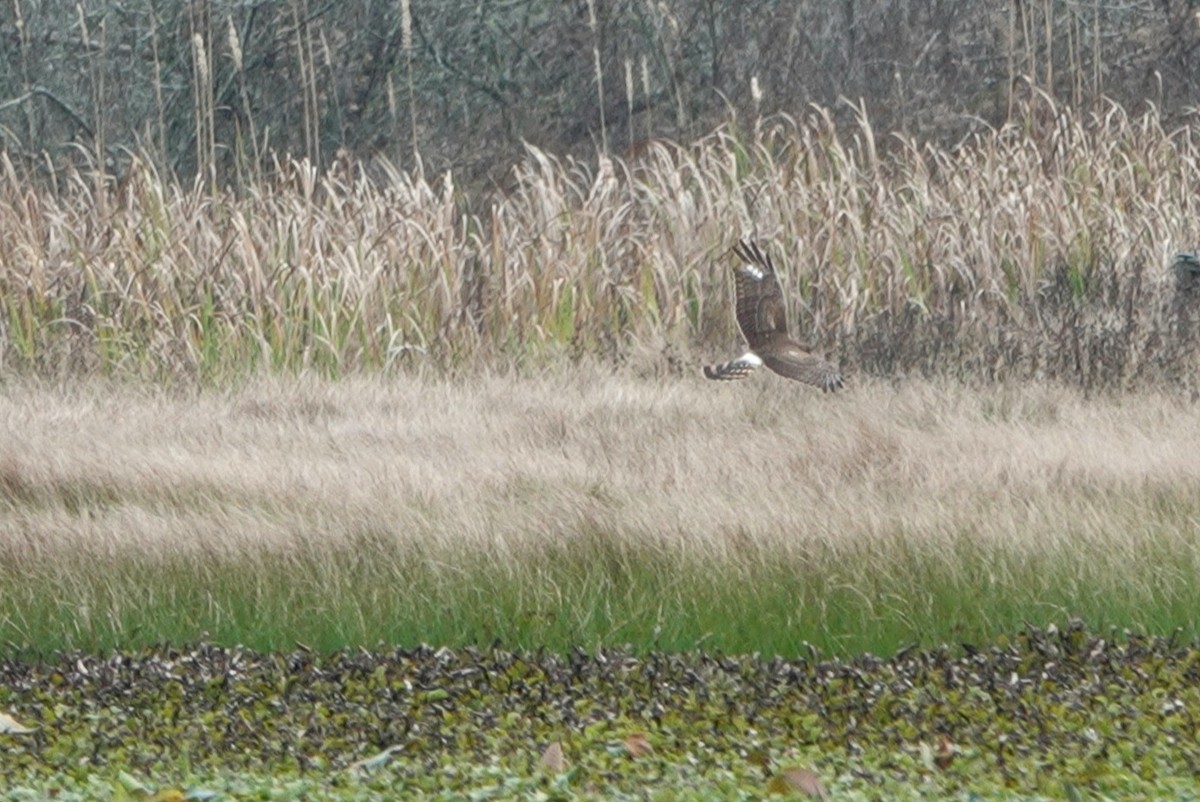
198, 53
406, 40
755, 90
235, 45
670, 18
83, 28
325, 50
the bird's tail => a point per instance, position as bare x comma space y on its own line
735, 369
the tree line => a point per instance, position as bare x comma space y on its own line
216, 88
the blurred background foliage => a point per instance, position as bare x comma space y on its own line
217, 87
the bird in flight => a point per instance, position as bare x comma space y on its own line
763, 320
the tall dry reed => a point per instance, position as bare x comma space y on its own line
1039, 249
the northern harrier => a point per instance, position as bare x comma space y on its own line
763, 320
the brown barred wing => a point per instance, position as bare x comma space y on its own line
760, 309
790, 360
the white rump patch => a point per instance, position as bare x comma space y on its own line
754, 271
749, 358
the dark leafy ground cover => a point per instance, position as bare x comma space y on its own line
1048, 714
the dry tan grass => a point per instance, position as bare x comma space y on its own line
505, 465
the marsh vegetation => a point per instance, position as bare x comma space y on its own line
579, 507
358, 407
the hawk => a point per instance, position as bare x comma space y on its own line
763, 320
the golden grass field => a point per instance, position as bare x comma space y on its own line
996, 490
504, 463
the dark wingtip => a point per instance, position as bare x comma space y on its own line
749, 251
748, 246
741, 249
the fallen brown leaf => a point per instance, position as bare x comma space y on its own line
638, 746
797, 780
553, 759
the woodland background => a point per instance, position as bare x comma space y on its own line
219, 86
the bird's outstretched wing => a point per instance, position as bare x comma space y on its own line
788, 359
760, 309
738, 368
